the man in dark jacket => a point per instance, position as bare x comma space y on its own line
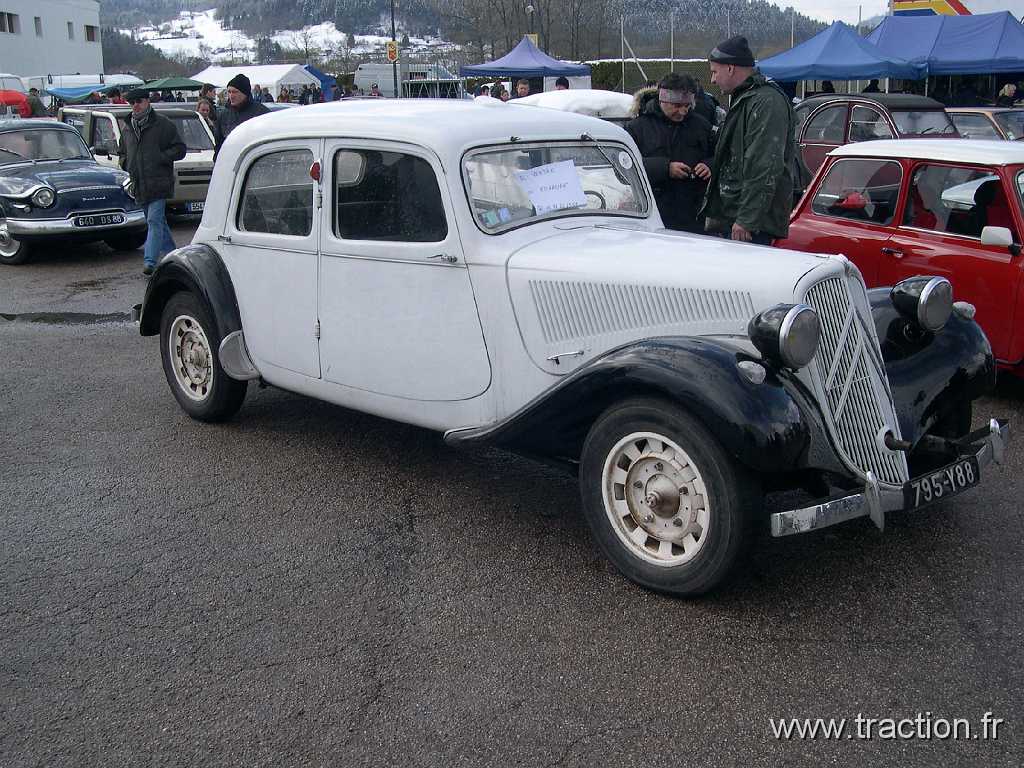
240, 107
751, 193
676, 144
148, 147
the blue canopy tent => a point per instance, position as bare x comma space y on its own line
954, 45
837, 53
326, 81
525, 60
81, 93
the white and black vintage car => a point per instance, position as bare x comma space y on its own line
463, 267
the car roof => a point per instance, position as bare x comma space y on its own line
33, 124
984, 152
986, 110
887, 100
446, 126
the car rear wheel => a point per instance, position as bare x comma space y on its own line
12, 251
130, 241
665, 502
189, 344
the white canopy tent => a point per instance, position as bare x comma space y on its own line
271, 76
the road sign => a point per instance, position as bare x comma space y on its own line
392, 51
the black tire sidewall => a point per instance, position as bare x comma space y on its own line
226, 394
732, 492
24, 254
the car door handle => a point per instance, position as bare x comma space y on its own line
894, 252
445, 257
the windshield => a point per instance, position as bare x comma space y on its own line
1012, 123
513, 185
933, 122
37, 144
192, 132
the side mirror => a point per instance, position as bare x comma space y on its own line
999, 236
99, 151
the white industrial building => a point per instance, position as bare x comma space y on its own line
41, 37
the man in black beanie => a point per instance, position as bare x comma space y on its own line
240, 107
751, 191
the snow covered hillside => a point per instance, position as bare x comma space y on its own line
199, 34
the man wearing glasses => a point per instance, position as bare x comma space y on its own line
148, 147
677, 147
751, 196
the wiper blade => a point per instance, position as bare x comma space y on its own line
611, 163
12, 152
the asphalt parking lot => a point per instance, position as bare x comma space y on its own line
310, 586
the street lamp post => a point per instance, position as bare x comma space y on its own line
529, 17
394, 64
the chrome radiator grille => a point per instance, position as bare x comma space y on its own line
850, 374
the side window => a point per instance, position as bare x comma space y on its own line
975, 126
867, 124
828, 126
956, 200
278, 194
862, 190
801, 118
103, 134
77, 122
386, 196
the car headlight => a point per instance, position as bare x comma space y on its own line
129, 188
787, 334
43, 198
926, 300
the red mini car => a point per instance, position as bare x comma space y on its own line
951, 208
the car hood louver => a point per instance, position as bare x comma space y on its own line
581, 293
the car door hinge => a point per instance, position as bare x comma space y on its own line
319, 199
224, 238
316, 329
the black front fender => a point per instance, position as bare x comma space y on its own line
931, 374
764, 426
197, 268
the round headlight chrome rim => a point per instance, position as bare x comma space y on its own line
128, 187
793, 355
931, 315
43, 197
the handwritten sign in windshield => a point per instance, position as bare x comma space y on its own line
553, 187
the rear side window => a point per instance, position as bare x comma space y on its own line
386, 196
867, 124
77, 122
861, 190
827, 126
103, 135
278, 194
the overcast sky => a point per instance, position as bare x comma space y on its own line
831, 10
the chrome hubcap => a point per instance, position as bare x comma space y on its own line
8, 245
191, 357
656, 499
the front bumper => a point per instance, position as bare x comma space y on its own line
26, 228
875, 500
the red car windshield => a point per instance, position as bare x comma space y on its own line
932, 122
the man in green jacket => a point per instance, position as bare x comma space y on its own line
751, 191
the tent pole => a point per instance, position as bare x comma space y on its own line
926, 86
622, 44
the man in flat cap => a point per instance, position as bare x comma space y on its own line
751, 191
676, 144
241, 107
147, 149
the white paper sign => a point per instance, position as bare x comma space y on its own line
553, 187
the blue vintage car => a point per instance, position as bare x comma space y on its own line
51, 188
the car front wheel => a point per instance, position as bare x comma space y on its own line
12, 251
189, 344
665, 502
